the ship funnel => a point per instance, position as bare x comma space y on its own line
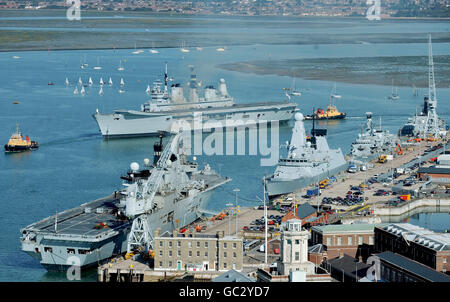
177, 94
223, 88
210, 93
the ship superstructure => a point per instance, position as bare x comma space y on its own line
309, 160
169, 194
427, 123
168, 108
371, 141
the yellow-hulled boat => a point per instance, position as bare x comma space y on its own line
17, 144
331, 113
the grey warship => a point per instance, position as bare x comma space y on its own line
173, 190
309, 160
167, 109
371, 142
427, 123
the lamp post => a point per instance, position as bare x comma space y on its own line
236, 190
229, 205
265, 227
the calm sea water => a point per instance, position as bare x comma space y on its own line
74, 164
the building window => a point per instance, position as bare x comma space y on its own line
160, 263
190, 253
297, 256
360, 240
234, 245
179, 253
206, 254
170, 253
160, 253
225, 254
444, 260
371, 240
224, 265
198, 243
170, 243
234, 254
297, 241
198, 253
206, 244
328, 241
190, 244
339, 241
178, 243
224, 245
160, 244
350, 240
170, 263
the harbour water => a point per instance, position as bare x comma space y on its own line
74, 164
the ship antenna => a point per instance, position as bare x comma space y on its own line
166, 79
314, 121
56, 222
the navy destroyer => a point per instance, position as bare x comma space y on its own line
371, 142
309, 160
427, 123
170, 193
166, 109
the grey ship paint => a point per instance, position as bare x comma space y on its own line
166, 109
308, 161
98, 230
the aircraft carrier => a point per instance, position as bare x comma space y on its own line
168, 111
169, 193
309, 161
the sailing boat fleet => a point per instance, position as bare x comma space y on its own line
394, 95
80, 88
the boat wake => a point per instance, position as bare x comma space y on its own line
70, 140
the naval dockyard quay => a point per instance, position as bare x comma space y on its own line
219, 149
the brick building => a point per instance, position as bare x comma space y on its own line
307, 214
354, 240
419, 244
197, 252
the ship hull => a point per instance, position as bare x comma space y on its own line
276, 187
336, 117
135, 124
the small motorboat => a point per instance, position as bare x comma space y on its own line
17, 144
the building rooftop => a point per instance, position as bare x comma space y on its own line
346, 228
419, 235
349, 265
413, 267
305, 210
318, 248
233, 276
435, 170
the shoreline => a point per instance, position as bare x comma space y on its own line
410, 206
174, 14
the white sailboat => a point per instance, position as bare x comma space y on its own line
120, 66
334, 94
80, 81
394, 95
82, 91
110, 82
294, 91
121, 90
122, 83
148, 89
153, 50
101, 90
90, 81
183, 47
136, 52
101, 82
98, 67
220, 49
67, 82
75, 91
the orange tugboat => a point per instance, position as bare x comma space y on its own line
331, 113
17, 144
